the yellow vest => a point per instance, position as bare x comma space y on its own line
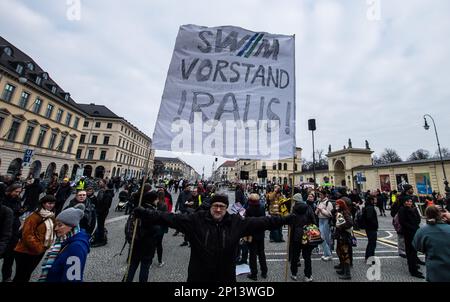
80, 185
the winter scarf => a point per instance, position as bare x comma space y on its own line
54, 252
49, 233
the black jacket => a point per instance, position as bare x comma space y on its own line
409, 219
182, 198
103, 201
64, 191
31, 195
256, 211
304, 216
341, 232
369, 218
6, 224
14, 205
214, 244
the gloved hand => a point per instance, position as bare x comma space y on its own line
139, 212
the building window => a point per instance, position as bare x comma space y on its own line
98, 124
54, 89
117, 155
48, 114
103, 155
94, 139
106, 140
76, 122
37, 105
82, 138
24, 99
59, 115
109, 125
68, 119
295, 167
28, 135
13, 131
19, 69
51, 143
120, 141
8, 51
274, 167
66, 97
121, 128
41, 137
91, 154
86, 124
279, 166
121, 157
38, 81
69, 147
285, 167
30, 66
78, 156
8, 92
61, 143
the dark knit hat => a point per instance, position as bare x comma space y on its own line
407, 187
220, 197
47, 198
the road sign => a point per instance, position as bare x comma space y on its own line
27, 156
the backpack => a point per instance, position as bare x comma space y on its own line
129, 229
396, 223
311, 235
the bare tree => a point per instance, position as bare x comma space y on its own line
419, 155
445, 153
388, 156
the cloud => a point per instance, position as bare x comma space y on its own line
360, 79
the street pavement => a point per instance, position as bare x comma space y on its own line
104, 264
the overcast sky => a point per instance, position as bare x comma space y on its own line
359, 78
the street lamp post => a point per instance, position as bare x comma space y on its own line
312, 128
426, 126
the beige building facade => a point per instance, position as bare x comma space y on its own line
353, 168
110, 146
278, 171
35, 115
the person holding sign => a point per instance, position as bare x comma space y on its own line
214, 236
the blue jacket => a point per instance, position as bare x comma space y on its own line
434, 242
76, 246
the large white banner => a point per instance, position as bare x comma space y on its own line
229, 92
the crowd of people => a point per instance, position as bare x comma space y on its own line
36, 227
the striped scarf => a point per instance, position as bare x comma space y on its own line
54, 252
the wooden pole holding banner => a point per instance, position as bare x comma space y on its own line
130, 254
293, 181
288, 241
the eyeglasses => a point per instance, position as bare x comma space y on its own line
216, 206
